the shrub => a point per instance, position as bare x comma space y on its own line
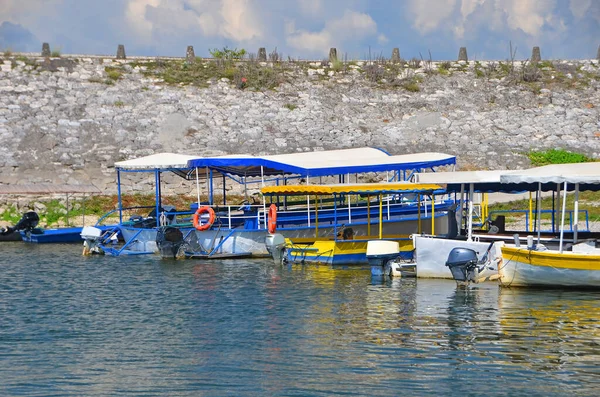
556, 156
290, 106
113, 73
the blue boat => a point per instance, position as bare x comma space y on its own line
27, 229
213, 230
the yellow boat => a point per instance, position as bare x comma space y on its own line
571, 263
348, 243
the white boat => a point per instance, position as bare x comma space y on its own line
571, 263
432, 252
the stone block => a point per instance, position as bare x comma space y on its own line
121, 52
598, 54
462, 54
396, 55
190, 56
46, 50
333, 54
262, 54
536, 55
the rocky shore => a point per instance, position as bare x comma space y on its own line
69, 119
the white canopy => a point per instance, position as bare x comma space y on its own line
156, 161
460, 177
583, 173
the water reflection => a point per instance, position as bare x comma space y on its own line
145, 326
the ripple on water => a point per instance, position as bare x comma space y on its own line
143, 326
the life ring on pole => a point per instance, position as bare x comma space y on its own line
272, 219
196, 219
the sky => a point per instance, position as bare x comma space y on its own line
306, 29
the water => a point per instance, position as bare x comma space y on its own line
139, 326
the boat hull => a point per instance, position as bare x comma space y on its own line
431, 254
523, 267
339, 253
53, 236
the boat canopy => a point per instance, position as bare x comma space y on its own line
323, 163
156, 161
483, 181
581, 173
357, 188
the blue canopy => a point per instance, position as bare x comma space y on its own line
322, 163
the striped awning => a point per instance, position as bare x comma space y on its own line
361, 188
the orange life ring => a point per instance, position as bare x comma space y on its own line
211, 218
272, 219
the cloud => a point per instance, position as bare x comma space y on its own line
17, 38
307, 28
311, 7
235, 20
582, 8
428, 17
350, 26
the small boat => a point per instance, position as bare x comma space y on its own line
557, 262
348, 243
27, 229
571, 263
27, 224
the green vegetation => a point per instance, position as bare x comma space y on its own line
113, 73
119, 104
7, 52
290, 106
11, 215
556, 156
227, 53
444, 67
55, 54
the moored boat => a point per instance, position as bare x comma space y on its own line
240, 230
571, 263
348, 243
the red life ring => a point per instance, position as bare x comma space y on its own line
272, 219
196, 218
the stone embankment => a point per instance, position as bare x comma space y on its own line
69, 119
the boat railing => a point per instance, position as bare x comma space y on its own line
547, 219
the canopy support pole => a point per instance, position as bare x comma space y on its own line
460, 208
224, 192
307, 202
539, 212
562, 218
335, 221
198, 187
369, 215
576, 210
317, 216
432, 214
419, 227
119, 196
157, 195
470, 215
380, 216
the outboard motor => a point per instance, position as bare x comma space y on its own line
169, 241
464, 264
276, 246
28, 223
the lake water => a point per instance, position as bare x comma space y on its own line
140, 326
